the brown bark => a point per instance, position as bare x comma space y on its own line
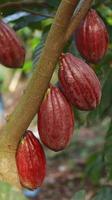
19, 5
80, 13
29, 103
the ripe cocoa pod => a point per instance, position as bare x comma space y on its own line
31, 162
55, 120
79, 82
12, 52
92, 37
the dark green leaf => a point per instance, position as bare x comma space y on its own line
80, 195
94, 167
104, 194
108, 152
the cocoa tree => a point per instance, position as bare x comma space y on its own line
64, 25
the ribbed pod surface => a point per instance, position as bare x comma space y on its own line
79, 82
55, 120
31, 162
92, 37
12, 52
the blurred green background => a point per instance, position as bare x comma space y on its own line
84, 170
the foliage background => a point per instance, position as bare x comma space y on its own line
89, 154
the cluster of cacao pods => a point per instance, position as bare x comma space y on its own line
78, 86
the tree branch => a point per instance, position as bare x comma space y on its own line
78, 16
30, 101
37, 13
19, 5
34, 93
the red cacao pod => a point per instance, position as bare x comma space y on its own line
55, 120
31, 162
92, 37
12, 52
79, 82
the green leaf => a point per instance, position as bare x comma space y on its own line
104, 194
38, 49
108, 152
94, 167
37, 52
80, 195
54, 3
9, 193
105, 108
27, 20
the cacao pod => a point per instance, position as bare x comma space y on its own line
31, 162
55, 120
12, 52
92, 37
79, 82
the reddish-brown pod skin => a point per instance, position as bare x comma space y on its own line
31, 162
12, 52
92, 37
55, 120
79, 82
